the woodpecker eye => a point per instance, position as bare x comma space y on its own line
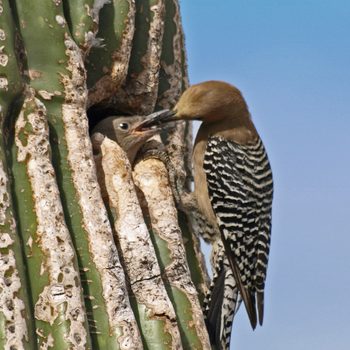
123, 126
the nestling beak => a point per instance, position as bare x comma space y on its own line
156, 119
139, 133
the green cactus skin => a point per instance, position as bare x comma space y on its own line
57, 78
108, 62
16, 322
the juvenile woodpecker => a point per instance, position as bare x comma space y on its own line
233, 189
126, 131
123, 130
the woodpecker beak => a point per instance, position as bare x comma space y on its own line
139, 133
148, 126
143, 133
156, 119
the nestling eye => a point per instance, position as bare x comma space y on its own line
123, 126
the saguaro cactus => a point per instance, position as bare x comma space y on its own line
71, 276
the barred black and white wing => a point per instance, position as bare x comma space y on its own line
240, 188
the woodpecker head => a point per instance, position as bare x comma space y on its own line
210, 101
126, 131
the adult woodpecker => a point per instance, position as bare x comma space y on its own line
233, 187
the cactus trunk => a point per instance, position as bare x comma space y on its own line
70, 274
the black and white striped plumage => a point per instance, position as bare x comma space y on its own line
240, 188
222, 300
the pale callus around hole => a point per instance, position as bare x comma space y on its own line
134, 239
95, 220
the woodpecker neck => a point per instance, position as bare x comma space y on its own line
239, 129
132, 152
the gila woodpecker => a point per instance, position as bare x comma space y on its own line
125, 131
233, 189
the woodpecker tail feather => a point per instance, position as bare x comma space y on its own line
221, 304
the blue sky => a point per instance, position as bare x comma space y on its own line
291, 60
